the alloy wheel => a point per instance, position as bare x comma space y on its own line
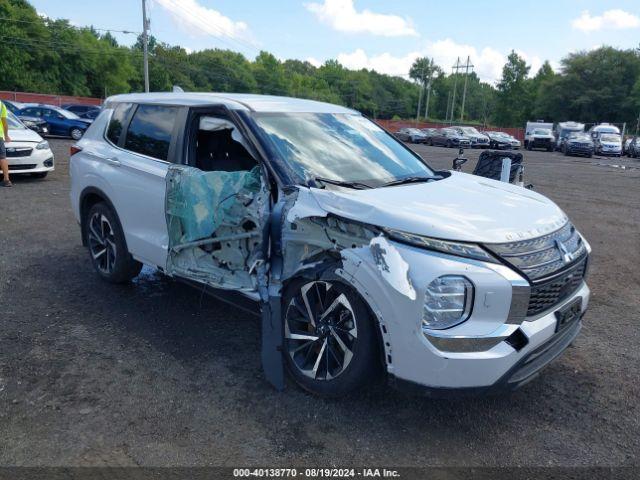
76, 134
320, 330
102, 243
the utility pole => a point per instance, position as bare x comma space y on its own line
446, 117
420, 97
145, 45
454, 69
464, 92
426, 107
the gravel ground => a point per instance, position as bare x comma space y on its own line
154, 373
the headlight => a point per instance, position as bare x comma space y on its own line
43, 146
467, 250
447, 302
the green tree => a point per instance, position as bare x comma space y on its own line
512, 101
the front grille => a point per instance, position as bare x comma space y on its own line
549, 292
543, 256
555, 265
28, 166
14, 152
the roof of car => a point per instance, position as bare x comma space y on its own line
234, 101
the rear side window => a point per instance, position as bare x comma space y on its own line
150, 131
118, 117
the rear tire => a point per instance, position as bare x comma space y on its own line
107, 245
76, 133
330, 342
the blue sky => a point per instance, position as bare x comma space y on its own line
380, 34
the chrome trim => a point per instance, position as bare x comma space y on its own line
469, 343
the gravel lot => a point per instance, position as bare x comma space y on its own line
154, 373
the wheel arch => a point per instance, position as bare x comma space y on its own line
88, 198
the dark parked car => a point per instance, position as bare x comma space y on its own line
90, 115
448, 137
80, 110
61, 122
428, 133
36, 124
499, 141
577, 144
476, 138
634, 148
411, 135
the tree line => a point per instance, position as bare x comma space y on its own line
52, 56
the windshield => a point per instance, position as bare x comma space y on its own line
341, 147
13, 122
413, 130
67, 114
610, 138
541, 131
470, 131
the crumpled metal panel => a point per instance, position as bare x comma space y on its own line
203, 201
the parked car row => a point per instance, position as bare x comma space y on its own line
458, 136
70, 120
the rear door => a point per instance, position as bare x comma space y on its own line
139, 165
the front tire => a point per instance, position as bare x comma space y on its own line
330, 343
107, 246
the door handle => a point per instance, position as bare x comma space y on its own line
113, 161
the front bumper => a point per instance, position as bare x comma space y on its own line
478, 355
39, 161
579, 150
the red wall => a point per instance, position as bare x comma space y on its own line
48, 99
393, 125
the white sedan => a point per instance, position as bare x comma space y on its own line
27, 152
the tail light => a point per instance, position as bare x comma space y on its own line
74, 149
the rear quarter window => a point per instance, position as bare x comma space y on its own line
114, 130
150, 131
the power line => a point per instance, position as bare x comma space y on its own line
6, 19
206, 26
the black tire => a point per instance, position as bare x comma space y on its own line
430, 142
319, 363
103, 233
529, 146
449, 144
76, 133
39, 175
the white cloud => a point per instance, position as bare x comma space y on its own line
383, 63
488, 62
314, 61
611, 19
197, 19
343, 16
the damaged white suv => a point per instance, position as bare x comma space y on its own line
360, 256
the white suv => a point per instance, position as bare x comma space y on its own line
359, 254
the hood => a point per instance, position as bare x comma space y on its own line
461, 207
24, 135
82, 121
